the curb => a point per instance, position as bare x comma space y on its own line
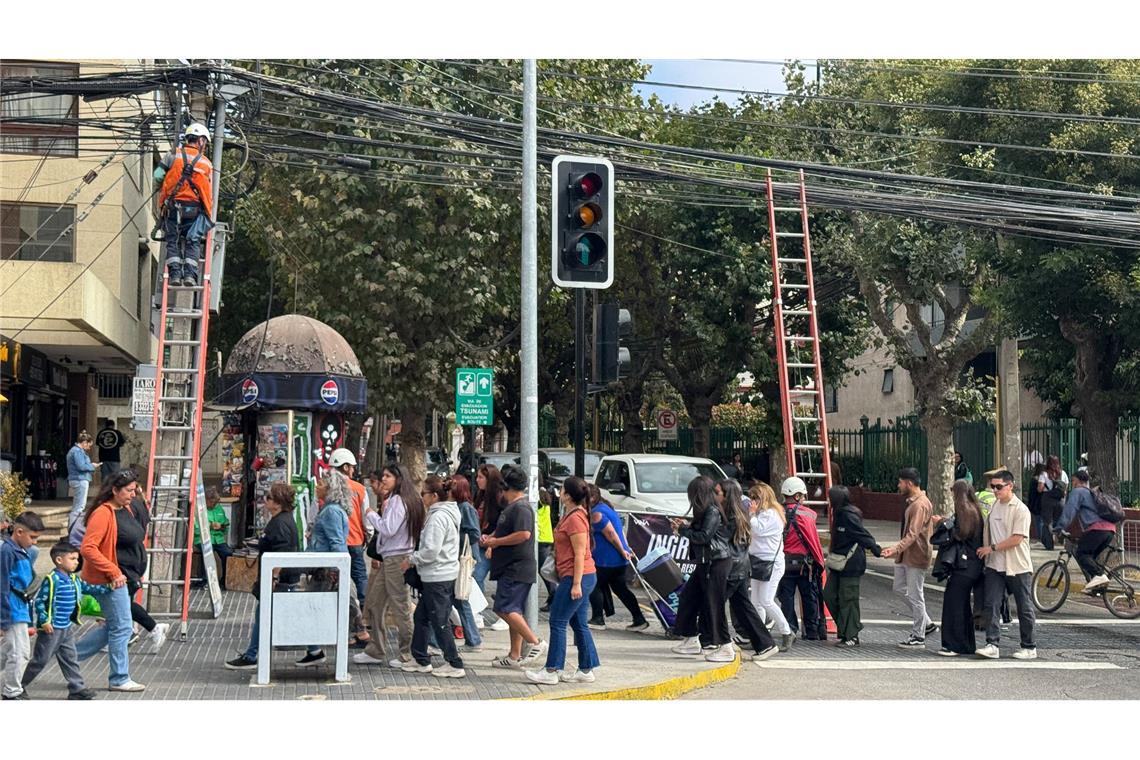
670, 688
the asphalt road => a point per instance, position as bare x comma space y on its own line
1083, 653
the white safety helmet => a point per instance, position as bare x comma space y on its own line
341, 457
197, 130
793, 486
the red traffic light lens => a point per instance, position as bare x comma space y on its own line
586, 185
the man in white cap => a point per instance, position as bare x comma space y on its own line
345, 462
803, 562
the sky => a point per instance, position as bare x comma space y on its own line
705, 72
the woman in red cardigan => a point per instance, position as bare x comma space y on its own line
111, 524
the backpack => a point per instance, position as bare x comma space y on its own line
1108, 507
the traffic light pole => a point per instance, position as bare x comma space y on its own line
580, 389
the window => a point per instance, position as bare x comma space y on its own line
52, 121
831, 399
889, 380
37, 232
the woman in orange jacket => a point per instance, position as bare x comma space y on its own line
110, 525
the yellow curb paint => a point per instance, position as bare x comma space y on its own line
670, 688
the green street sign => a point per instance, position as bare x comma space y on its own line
474, 396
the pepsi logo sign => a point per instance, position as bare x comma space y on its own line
330, 393
249, 391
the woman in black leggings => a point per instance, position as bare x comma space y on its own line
133, 562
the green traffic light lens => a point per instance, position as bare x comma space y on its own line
585, 251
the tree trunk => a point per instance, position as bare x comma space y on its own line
413, 443
700, 417
630, 399
1101, 427
940, 461
1096, 357
564, 420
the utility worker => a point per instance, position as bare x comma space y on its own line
186, 202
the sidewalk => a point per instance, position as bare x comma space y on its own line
634, 666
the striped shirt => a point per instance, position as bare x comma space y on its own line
64, 601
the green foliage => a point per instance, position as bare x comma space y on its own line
748, 421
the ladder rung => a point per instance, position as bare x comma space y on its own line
812, 501
805, 391
171, 457
178, 399
186, 288
182, 343
810, 475
798, 337
166, 518
789, 234
184, 370
192, 314
158, 487
782, 260
801, 365
805, 419
787, 208
164, 583
808, 446
185, 428
796, 312
162, 550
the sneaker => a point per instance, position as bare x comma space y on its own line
578, 676
506, 662
690, 646
500, 625
363, 658
849, 643
913, 642
83, 694
241, 663
1097, 582
989, 651
1025, 654
947, 653
397, 663
129, 686
479, 624
536, 651
21, 695
415, 667
726, 653
642, 626
472, 647
311, 660
786, 641
157, 637
597, 624
545, 607
542, 675
447, 671
765, 654
931, 628
134, 637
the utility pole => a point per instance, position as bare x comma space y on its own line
528, 438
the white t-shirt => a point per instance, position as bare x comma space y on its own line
1005, 520
1047, 481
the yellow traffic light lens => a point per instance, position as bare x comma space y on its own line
586, 216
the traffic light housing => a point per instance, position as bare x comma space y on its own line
582, 222
611, 359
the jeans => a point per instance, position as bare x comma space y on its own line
15, 648
1091, 544
431, 615
997, 585
745, 619
482, 570
254, 634
359, 572
78, 500
1044, 530
786, 593
471, 636
114, 635
908, 585
60, 644
573, 612
763, 594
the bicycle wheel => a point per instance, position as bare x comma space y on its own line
1122, 597
1050, 586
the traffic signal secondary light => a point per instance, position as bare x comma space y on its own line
582, 222
611, 360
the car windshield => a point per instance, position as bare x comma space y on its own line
498, 460
671, 477
435, 456
562, 463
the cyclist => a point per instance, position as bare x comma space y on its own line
1096, 532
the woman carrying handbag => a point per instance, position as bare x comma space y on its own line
847, 562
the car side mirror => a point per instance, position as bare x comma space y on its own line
617, 488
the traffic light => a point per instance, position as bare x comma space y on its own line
582, 222
611, 360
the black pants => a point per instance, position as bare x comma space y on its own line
745, 619
138, 612
786, 596
704, 596
613, 579
432, 611
958, 614
544, 551
1090, 545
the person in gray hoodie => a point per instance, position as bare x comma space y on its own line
436, 558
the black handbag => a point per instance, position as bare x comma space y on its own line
761, 569
372, 548
412, 578
795, 564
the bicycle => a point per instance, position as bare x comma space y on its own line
1051, 582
